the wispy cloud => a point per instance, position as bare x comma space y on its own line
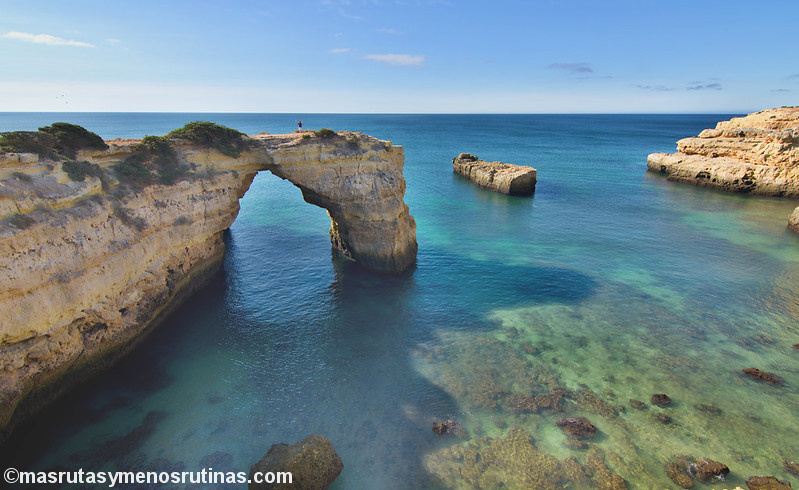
656, 88
795, 76
386, 30
112, 40
397, 59
44, 39
706, 86
339, 50
572, 67
780, 90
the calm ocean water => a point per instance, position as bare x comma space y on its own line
609, 279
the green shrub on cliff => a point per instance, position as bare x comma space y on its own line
28, 142
134, 172
78, 171
154, 161
57, 140
226, 140
326, 133
70, 138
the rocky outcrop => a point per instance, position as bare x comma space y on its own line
756, 154
88, 266
313, 464
515, 180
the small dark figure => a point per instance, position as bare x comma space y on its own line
299, 125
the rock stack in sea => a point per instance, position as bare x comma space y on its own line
756, 154
515, 180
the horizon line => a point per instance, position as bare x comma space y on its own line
398, 113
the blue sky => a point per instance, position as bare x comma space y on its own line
398, 56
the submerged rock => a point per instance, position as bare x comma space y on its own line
708, 408
515, 180
767, 483
796, 346
637, 404
449, 427
679, 474
706, 469
759, 375
660, 399
791, 467
514, 462
313, 463
663, 418
574, 443
579, 427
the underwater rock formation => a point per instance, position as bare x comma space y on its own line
765, 376
660, 399
514, 462
766, 483
678, 473
579, 427
706, 469
514, 180
312, 462
95, 251
449, 427
791, 467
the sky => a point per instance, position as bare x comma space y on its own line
399, 56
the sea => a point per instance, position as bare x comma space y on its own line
609, 283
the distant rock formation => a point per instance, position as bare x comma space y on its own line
515, 180
94, 251
756, 154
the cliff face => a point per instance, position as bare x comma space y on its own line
515, 180
757, 154
87, 267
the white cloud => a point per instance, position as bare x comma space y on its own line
112, 40
44, 39
339, 50
397, 59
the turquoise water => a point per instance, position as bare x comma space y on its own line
610, 283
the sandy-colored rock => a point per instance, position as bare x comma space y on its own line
515, 180
756, 154
793, 220
86, 270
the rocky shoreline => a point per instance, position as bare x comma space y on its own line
92, 261
756, 154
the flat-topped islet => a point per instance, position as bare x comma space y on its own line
754, 154
514, 180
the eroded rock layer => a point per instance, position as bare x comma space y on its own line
89, 266
515, 180
757, 154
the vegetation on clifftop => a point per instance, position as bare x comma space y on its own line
226, 140
56, 141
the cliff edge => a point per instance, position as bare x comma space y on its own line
756, 154
96, 247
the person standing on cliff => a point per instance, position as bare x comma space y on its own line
299, 125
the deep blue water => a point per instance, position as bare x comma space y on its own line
626, 284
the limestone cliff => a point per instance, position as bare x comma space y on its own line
516, 180
88, 266
757, 154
